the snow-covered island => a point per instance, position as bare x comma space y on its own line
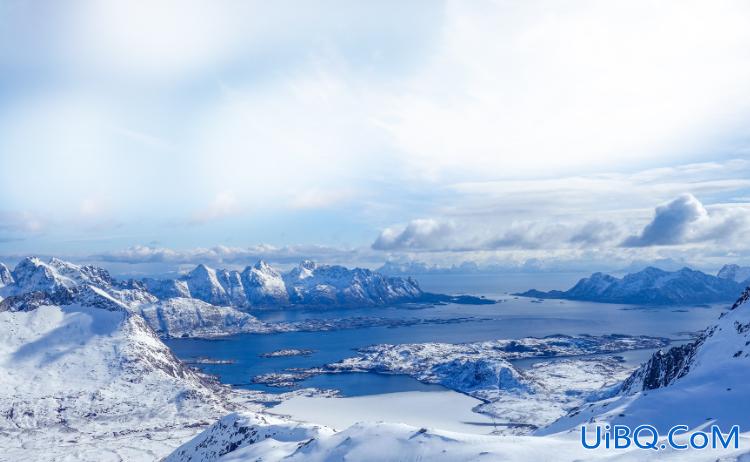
285, 352
653, 286
569, 370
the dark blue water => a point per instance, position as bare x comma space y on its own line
513, 318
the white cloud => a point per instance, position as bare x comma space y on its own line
685, 220
671, 224
495, 119
543, 87
223, 205
423, 233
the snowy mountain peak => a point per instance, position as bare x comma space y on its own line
202, 270
203, 283
32, 273
306, 269
308, 264
261, 265
735, 273
264, 285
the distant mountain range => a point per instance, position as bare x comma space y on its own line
308, 284
653, 286
206, 302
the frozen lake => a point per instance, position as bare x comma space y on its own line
444, 410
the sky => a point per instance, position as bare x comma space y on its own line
536, 135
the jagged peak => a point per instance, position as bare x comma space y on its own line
308, 265
601, 275
54, 261
201, 268
743, 298
32, 261
262, 265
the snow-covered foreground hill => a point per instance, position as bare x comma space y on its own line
84, 382
252, 437
707, 381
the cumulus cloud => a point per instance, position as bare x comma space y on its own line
672, 223
685, 220
419, 234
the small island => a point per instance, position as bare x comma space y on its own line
287, 352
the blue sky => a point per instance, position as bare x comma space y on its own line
576, 134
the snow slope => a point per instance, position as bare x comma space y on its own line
244, 437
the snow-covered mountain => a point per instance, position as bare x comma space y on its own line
39, 283
32, 274
190, 317
257, 286
308, 284
313, 284
651, 286
83, 375
206, 302
735, 273
264, 285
